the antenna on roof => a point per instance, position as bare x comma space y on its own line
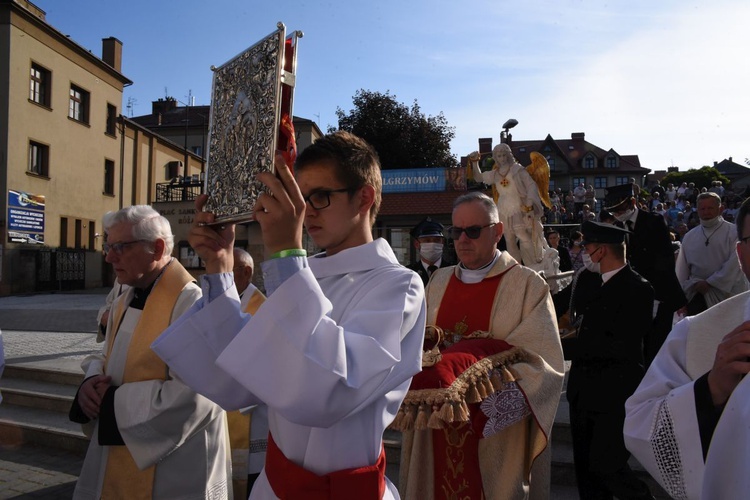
131, 104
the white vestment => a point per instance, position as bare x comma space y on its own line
661, 426
162, 422
331, 352
716, 263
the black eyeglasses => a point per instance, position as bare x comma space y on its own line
118, 248
473, 232
322, 198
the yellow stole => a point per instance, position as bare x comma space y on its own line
123, 478
239, 425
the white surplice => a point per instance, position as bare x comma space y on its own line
162, 422
331, 352
661, 426
715, 262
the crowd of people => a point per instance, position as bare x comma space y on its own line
216, 390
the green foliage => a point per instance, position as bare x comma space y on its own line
702, 177
403, 137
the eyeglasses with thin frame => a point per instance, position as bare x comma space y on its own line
472, 232
120, 247
321, 198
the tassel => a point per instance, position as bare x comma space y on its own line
487, 386
472, 395
407, 423
446, 412
507, 376
435, 421
422, 418
465, 411
496, 381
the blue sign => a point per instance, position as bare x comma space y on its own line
414, 180
25, 217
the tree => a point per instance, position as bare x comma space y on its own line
403, 137
701, 177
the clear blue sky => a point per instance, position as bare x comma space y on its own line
666, 80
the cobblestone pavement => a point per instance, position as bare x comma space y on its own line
34, 471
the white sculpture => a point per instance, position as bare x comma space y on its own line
519, 193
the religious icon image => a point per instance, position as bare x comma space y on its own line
251, 118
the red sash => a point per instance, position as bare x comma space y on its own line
290, 481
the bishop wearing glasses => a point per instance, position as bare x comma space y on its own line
477, 423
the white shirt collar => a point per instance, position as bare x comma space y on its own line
471, 276
606, 276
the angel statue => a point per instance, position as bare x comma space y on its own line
519, 193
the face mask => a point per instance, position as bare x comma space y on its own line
592, 266
710, 222
431, 252
625, 215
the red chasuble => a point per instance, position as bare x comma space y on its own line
465, 308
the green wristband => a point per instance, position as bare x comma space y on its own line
293, 252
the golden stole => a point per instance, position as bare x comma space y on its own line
123, 478
239, 424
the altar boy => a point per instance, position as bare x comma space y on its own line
333, 349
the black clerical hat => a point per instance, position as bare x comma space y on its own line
601, 232
616, 195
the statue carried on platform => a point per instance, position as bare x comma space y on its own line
519, 193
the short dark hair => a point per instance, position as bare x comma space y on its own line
741, 215
354, 161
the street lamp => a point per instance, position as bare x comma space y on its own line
505, 136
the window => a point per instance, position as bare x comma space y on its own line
198, 150
38, 159
611, 162
552, 185
109, 177
600, 182
621, 180
79, 104
588, 162
111, 119
39, 85
578, 181
551, 162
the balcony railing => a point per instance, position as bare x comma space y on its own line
179, 190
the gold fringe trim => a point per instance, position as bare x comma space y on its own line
424, 409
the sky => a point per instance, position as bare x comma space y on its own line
665, 80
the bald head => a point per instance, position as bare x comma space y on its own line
243, 269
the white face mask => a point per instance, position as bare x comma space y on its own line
592, 266
431, 252
625, 215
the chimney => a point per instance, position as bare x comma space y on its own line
163, 105
485, 145
730, 159
112, 52
716, 163
578, 136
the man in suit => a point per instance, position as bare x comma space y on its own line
607, 367
428, 239
651, 255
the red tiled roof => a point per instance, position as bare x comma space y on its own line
440, 203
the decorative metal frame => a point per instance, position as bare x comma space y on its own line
249, 94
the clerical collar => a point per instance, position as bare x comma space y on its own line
471, 276
141, 294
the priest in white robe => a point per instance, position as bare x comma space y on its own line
687, 421
707, 265
151, 435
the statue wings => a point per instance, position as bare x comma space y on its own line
539, 171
